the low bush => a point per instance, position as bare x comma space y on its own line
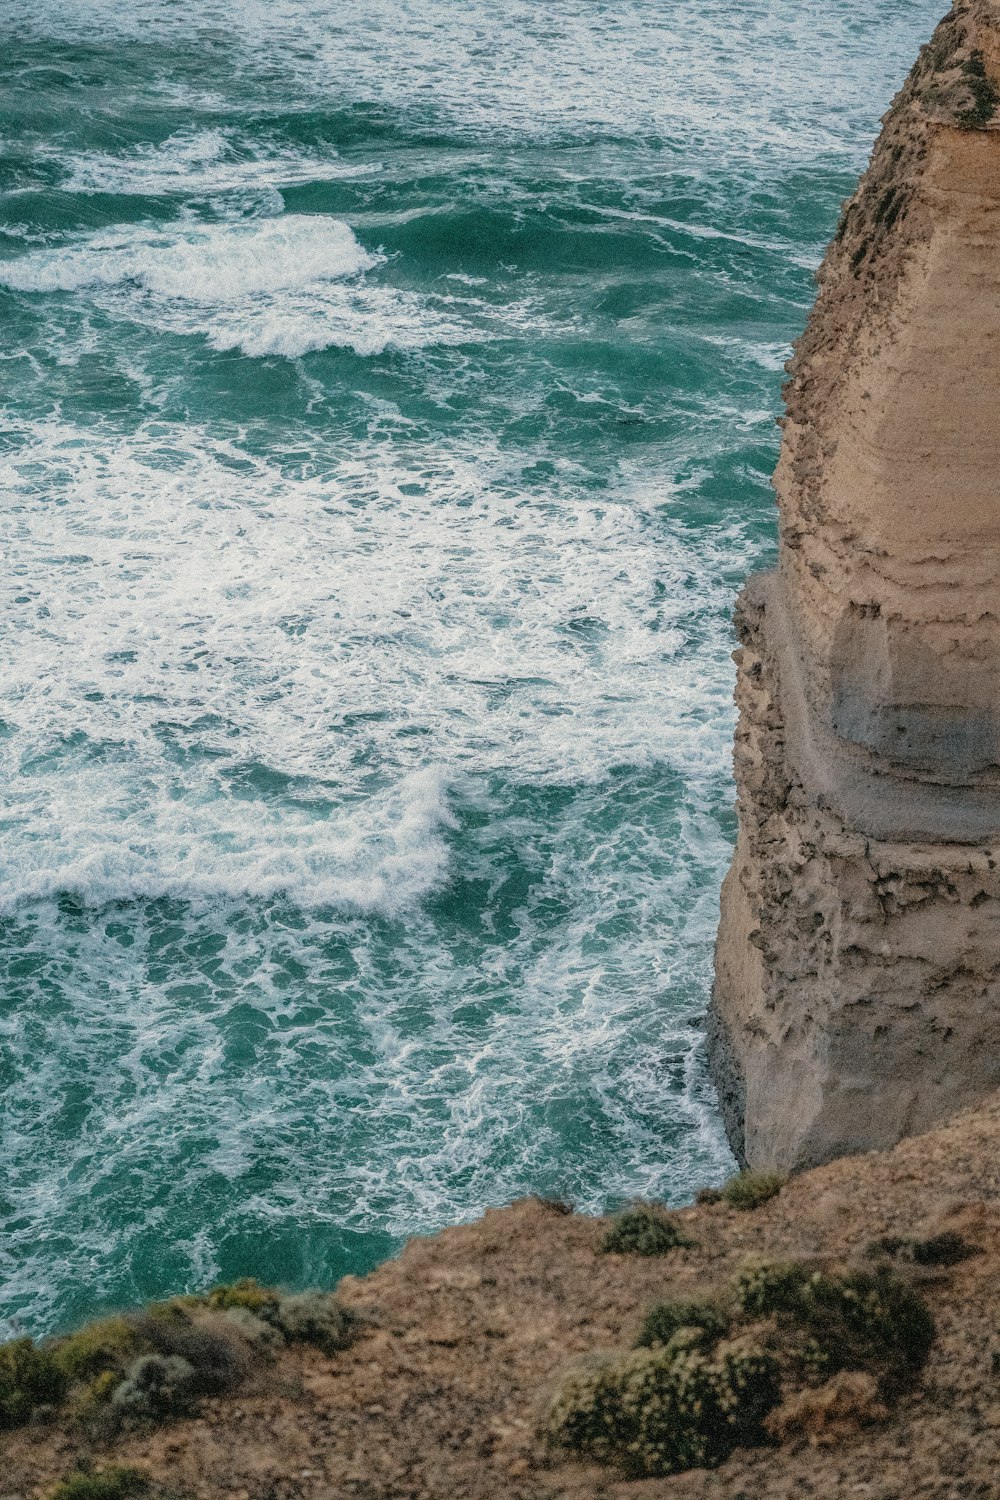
316, 1318
851, 1319
300, 1317
29, 1378
90, 1404
667, 1318
113, 1483
752, 1189
946, 1249
156, 1363
870, 1319
209, 1342
766, 1287
706, 1375
106, 1344
262, 1338
643, 1231
663, 1410
156, 1386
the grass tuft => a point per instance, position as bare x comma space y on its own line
752, 1189
247, 1293
106, 1344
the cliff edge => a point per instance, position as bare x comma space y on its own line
858, 958
462, 1341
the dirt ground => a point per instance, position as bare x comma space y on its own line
440, 1397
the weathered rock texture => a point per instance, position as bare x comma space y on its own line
858, 963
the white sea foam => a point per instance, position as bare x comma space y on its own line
284, 286
209, 163
382, 858
248, 715
733, 82
193, 607
200, 263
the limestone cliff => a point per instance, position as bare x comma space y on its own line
858, 965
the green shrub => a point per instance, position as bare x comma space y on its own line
206, 1341
29, 1378
770, 1286
945, 1249
301, 1317
90, 1404
667, 1318
155, 1386
751, 1189
316, 1318
155, 1363
643, 1231
663, 1410
870, 1319
262, 1338
107, 1344
852, 1319
113, 1483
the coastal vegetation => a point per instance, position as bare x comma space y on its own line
157, 1363
643, 1230
708, 1373
746, 1190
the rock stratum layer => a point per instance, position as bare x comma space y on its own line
858, 959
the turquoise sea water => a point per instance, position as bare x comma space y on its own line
388, 400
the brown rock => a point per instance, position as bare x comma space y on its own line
831, 1412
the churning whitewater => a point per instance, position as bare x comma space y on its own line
388, 408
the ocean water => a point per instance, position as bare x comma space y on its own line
388, 399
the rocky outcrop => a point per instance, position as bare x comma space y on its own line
857, 990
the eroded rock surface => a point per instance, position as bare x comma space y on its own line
858, 964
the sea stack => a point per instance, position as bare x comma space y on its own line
857, 995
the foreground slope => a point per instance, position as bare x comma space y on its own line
441, 1395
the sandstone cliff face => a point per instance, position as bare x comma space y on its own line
858, 963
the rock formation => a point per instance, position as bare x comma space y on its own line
857, 990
